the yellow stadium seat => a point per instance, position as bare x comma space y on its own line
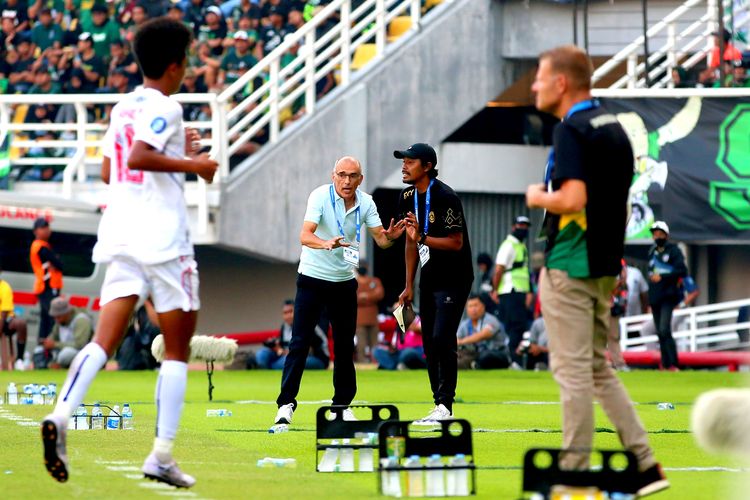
430, 4
398, 27
363, 55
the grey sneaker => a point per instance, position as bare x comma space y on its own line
440, 412
284, 415
53, 439
166, 473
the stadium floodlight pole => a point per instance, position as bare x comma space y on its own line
586, 25
575, 22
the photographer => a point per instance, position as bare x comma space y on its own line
482, 343
533, 348
274, 351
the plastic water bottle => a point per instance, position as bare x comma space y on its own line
218, 413
434, 476
365, 460
43, 394
391, 481
37, 394
28, 391
665, 406
414, 477
456, 478
113, 419
82, 418
286, 463
330, 457
12, 394
127, 417
51, 393
347, 458
97, 417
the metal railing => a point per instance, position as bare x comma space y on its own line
315, 56
685, 48
704, 328
318, 49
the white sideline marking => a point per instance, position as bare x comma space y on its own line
123, 468
178, 493
134, 476
705, 469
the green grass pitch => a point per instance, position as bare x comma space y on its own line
222, 452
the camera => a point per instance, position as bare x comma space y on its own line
619, 304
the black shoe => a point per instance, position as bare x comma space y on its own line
652, 480
55, 456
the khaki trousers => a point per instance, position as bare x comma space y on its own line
576, 314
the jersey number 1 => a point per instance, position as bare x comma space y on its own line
122, 150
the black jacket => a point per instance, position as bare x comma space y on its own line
669, 263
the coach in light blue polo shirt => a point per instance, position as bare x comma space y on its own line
337, 220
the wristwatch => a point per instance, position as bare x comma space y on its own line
422, 238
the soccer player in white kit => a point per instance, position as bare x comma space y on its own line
144, 239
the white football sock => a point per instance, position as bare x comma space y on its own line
170, 398
83, 369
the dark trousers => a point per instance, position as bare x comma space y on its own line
46, 322
662, 312
513, 315
339, 299
440, 312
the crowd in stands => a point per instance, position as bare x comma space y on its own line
732, 73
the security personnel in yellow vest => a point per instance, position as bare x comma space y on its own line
513, 284
48, 271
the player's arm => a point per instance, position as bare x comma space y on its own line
145, 157
385, 237
105, 169
308, 238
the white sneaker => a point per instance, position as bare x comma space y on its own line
55, 455
166, 473
440, 412
19, 366
284, 415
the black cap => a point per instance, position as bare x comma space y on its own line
40, 222
522, 219
99, 8
418, 151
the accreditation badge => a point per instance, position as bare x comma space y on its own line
424, 255
351, 256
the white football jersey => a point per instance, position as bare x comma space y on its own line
146, 216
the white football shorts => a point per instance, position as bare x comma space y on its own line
171, 285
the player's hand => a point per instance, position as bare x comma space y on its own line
406, 297
336, 242
534, 195
395, 231
192, 142
205, 167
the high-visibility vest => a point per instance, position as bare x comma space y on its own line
519, 273
44, 271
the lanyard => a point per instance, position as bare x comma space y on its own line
579, 106
335, 215
426, 206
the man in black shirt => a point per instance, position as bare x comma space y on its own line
666, 265
437, 238
588, 177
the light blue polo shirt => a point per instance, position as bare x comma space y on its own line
330, 266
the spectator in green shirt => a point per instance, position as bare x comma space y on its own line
237, 61
45, 33
103, 30
43, 83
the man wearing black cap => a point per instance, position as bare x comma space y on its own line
513, 284
48, 269
437, 238
666, 265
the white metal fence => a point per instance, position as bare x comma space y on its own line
235, 116
704, 328
685, 48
